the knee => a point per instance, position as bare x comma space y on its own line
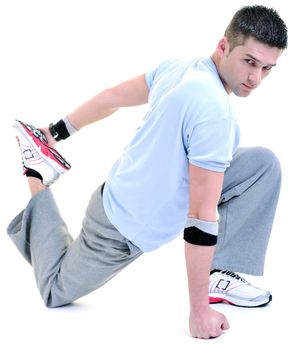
53, 299
266, 160
52, 304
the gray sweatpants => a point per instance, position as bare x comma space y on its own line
66, 269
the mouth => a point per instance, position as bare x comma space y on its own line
249, 87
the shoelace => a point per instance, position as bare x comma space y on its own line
234, 275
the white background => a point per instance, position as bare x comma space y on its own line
54, 56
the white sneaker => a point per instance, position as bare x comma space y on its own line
37, 155
229, 287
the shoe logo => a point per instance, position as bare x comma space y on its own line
223, 284
28, 154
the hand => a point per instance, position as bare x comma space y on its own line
207, 323
50, 139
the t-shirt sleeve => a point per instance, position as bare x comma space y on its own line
156, 72
149, 76
212, 143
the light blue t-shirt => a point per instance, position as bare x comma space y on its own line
189, 119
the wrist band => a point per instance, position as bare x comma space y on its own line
70, 128
201, 232
54, 133
62, 129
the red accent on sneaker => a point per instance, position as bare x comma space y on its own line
39, 140
37, 135
216, 300
54, 155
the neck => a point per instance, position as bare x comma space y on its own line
216, 60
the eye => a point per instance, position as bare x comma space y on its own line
250, 61
267, 68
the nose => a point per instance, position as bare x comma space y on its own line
255, 77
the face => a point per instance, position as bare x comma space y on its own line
243, 69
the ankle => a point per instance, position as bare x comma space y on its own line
35, 185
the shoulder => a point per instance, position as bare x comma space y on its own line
166, 68
202, 91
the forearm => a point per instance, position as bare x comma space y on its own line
204, 321
132, 92
198, 263
97, 108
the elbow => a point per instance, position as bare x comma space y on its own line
204, 212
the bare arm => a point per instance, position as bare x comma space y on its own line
129, 93
205, 190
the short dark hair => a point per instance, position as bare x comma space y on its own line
260, 22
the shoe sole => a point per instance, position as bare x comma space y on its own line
58, 163
216, 299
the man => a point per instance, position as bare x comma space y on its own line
179, 167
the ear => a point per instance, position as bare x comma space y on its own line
223, 47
